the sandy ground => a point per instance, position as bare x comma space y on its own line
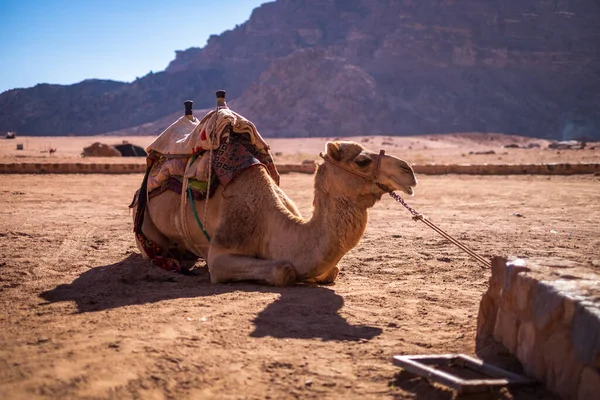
83, 316
440, 149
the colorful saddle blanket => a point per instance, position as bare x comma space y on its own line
234, 155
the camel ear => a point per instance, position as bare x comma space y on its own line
334, 151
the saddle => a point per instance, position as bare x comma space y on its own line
193, 157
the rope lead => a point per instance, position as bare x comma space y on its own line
420, 217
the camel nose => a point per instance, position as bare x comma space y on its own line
404, 166
407, 168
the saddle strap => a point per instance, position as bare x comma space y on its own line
150, 247
187, 238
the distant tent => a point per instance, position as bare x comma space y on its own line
100, 150
11, 135
130, 150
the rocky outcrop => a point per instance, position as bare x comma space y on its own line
520, 67
312, 93
93, 107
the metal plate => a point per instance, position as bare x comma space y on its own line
489, 376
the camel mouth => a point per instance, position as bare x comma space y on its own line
407, 189
403, 188
404, 184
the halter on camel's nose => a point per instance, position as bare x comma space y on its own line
391, 173
387, 177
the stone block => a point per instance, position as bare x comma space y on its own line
586, 333
506, 329
529, 350
488, 307
524, 286
547, 306
589, 384
486, 317
498, 275
562, 367
517, 288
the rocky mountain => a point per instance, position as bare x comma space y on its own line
347, 67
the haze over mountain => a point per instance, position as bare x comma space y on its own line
349, 67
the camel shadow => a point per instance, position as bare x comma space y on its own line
309, 312
300, 311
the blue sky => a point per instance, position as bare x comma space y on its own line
67, 41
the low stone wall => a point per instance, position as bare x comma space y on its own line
547, 313
301, 168
309, 168
71, 168
508, 169
478, 169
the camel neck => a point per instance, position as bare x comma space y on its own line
339, 218
336, 226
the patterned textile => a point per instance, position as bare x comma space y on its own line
174, 184
165, 168
237, 154
233, 156
153, 251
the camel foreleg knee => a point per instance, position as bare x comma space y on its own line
232, 267
327, 278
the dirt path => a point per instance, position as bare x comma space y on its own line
82, 316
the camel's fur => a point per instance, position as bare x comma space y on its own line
257, 233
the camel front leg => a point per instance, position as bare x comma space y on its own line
326, 278
233, 267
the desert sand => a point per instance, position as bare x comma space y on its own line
83, 316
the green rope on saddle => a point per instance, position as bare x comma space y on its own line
189, 190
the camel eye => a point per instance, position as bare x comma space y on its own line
363, 162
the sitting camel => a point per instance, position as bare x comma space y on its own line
257, 233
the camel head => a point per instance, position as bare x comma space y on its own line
353, 170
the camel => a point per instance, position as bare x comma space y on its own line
256, 231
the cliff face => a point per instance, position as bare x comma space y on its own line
529, 67
345, 67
